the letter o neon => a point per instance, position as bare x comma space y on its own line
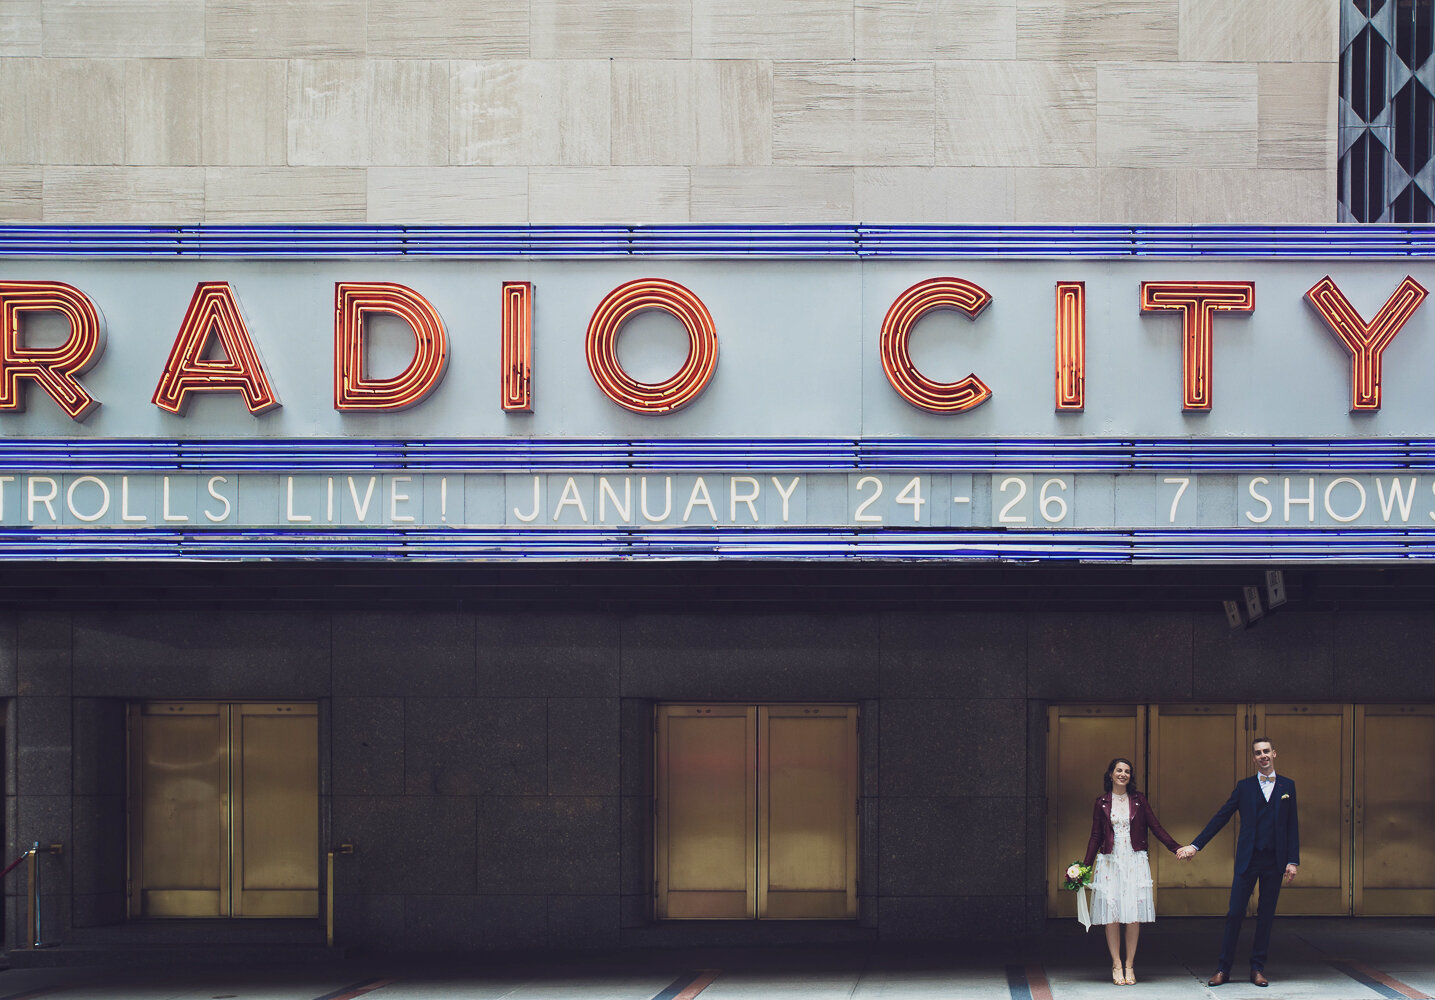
909, 307
620, 305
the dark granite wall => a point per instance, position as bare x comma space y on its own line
493, 770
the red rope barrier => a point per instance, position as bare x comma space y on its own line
14, 864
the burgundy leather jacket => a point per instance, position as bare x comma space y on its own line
1142, 819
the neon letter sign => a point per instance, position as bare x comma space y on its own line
516, 353
353, 390
902, 316
213, 310
1070, 345
54, 368
1197, 302
620, 305
1366, 342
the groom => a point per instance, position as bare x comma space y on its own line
1267, 852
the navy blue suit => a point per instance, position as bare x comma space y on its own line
1269, 840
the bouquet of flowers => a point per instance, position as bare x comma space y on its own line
1078, 876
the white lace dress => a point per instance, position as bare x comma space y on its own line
1121, 882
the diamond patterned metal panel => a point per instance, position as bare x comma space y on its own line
1386, 145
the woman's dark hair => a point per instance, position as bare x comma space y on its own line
1106, 779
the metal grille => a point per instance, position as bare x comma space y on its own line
1386, 166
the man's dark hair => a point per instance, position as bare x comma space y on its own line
1261, 739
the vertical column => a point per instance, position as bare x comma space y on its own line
40, 775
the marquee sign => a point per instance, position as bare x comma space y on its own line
214, 354
1009, 501
556, 368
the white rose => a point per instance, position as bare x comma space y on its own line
1073, 872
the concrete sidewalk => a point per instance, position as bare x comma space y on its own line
1312, 959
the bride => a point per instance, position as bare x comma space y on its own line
1121, 890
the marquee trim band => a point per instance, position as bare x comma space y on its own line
1146, 546
855, 241
594, 455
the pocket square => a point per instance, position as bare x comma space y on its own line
1286, 796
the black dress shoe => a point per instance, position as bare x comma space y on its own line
1218, 979
1259, 978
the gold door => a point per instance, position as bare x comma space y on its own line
179, 864
807, 838
1394, 810
706, 851
1197, 754
1313, 748
224, 810
276, 810
756, 812
1081, 740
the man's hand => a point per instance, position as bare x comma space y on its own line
1290, 874
1186, 853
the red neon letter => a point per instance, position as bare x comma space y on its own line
213, 310
1197, 302
1070, 345
54, 368
912, 385
516, 354
620, 305
1366, 342
352, 389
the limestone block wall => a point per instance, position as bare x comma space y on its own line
668, 111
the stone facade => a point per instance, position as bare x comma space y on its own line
668, 111
493, 765
494, 768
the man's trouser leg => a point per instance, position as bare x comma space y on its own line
1270, 880
1241, 886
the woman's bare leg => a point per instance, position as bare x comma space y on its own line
1113, 945
1133, 932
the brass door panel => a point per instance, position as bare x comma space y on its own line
224, 816
1394, 810
807, 838
180, 766
276, 815
1196, 757
1366, 779
1081, 740
1313, 748
705, 846
756, 812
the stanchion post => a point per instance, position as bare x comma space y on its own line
329, 891
32, 889
32, 901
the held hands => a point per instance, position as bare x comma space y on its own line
1189, 851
